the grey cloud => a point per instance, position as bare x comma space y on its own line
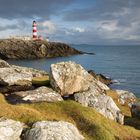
9, 27
31, 8
104, 9
125, 13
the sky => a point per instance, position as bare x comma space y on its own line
73, 21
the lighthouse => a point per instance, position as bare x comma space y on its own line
34, 30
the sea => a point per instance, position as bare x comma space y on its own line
119, 62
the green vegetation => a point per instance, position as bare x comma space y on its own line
41, 81
124, 108
90, 123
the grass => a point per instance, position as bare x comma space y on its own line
91, 124
41, 81
124, 108
128, 120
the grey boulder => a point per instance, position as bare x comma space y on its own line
3, 64
102, 103
10, 129
126, 96
69, 77
9, 77
34, 72
41, 94
48, 130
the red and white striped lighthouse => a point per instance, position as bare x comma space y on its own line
34, 30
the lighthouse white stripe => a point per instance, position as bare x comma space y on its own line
35, 33
34, 28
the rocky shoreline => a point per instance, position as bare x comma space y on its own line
32, 49
65, 80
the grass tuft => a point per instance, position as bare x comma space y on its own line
41, 81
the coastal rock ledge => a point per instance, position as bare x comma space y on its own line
29, 49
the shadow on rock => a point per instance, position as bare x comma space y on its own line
131, 121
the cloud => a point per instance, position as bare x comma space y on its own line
108, 26
31, 8
99, 21
79, 29
112, 20
47, 27
9, 27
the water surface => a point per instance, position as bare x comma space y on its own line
121, 63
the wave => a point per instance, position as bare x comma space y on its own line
119, 81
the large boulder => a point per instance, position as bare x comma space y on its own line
9, 77
69, 77
96, 98
126, 96
41, 94
48, 130
3, 64
10, 129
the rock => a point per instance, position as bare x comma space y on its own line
29, 49
41, 94
100, 77
69, 77
15, 88
9, 77
3, 64
102, 85
126, 96
96, 98
34, 72
135, 110
10, 129
43, 50
48, 130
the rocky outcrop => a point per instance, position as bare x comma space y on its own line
4, 64
9, 77
100, 77
101, 85
48, 130
135, 110
34, 72
126, 96
41, 94
96, 99
20, 49
10, 129
16, 78
69, 77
